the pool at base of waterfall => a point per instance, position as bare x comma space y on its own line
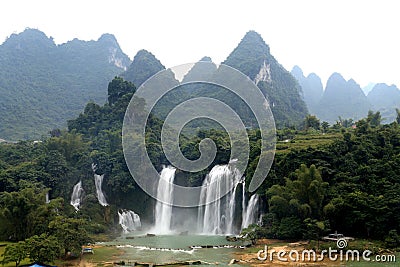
167, 249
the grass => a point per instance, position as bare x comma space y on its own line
306, 140
3, 245
104, 254
100, 256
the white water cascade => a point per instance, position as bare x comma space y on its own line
129, 220
217, 217
98, 180
250, 214
77, 194
47, 198
243, 199
163, 212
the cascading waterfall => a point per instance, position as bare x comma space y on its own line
47, 198
217, 217
243, 199
77, 194
163, 212
232, 206
250, 214
129, 220
98, 180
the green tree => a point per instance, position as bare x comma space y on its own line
315, 229
70, 232
25, 213
374, 119
117, 88
325, 126
311, 121
398, 115
43, 248
299, 202
15, 253
392, 240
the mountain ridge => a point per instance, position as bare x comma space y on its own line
43, 84
252, 57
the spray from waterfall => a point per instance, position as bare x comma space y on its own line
77, 195
129, 220
98, 180
163, 211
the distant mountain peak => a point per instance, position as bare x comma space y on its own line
205, 59
342, 98
255, 53
252, 57
144, 65
108, 38
201, 71
116, 56
297, 72
255, 38
311, 87
385, 98
29, 39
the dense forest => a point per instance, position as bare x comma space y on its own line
343, 177
42, 84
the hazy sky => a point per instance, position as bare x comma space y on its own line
359, 39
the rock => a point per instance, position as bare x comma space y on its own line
233, 261
231, 238
150, 235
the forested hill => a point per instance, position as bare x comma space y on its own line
42, 84
252, 57
144, 65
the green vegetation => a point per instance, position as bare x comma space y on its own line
143, 66
278, 85
322, 179
43, 84
349, 184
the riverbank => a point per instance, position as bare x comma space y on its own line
296, 250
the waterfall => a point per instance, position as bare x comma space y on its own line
243, 199
250, 215
47, 198
232, 206
129, 220
98, 180
217, 217
163, 211
77, 194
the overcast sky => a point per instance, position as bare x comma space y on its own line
359, 39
